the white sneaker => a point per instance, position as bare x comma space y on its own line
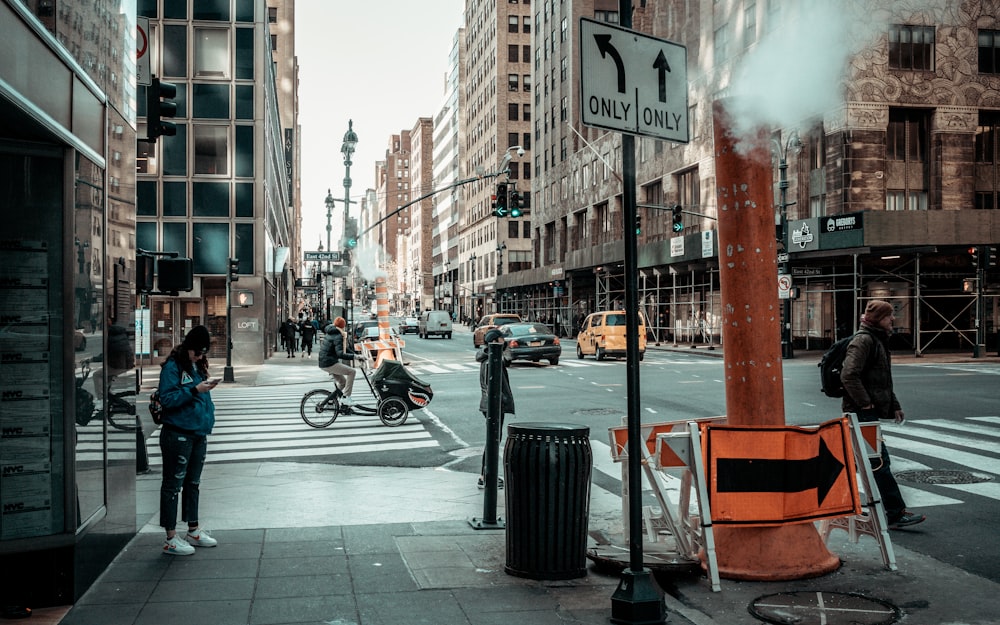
347, 401
200, 538
177, 547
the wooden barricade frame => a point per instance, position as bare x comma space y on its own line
689, 536
867, 441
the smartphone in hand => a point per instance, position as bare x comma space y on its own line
214, 381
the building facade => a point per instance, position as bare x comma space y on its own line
889, 191
225, 186
497, 123
67, 307
448, 158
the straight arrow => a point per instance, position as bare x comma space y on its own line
760, 475
605, 48
663, 67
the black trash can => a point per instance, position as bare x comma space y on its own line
547, 474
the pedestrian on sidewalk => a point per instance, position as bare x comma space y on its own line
308, 332
506, 396
188, 418
288, 336
332, 352
868, 391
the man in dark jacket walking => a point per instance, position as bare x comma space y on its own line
308, 332
867, 378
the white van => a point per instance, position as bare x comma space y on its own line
434, 322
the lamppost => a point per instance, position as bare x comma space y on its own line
472, 261
780, 154
329, 214
347, 149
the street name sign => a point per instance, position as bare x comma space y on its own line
632, 82
323, 256
770, 475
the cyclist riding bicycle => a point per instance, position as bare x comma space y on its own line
334, 350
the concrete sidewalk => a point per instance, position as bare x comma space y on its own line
322, 544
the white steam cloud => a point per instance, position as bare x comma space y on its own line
795, 73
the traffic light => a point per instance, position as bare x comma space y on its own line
990, 256
501, 204
234, 269
638, 222
516, 203
144, 268
175, 274
350, 234
678, 211
156, 109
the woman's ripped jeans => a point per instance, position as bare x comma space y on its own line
183, 460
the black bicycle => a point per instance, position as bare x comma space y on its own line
398, 391
115, 404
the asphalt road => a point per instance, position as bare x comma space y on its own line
950, 434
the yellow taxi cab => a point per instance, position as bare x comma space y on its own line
603, 335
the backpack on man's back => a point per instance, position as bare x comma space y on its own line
830, 366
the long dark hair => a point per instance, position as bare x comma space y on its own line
180, 356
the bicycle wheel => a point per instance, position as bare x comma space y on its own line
319, 408
392, 411
119, 406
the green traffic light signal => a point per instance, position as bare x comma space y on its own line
678, 211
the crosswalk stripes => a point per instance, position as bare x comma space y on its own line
263, 423
921, 444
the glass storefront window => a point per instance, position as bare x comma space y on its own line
210, 199
244, 199
175, 238
244, 54
145, 198
243, 155
174, 198
244, 10
211, 150
174, 50
210, 249
210, 101
174, 9
244, 101
211, 53
145, 235
174, 151
216, 10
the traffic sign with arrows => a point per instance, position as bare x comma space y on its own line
632, 82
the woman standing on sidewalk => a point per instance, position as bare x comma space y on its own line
188, 417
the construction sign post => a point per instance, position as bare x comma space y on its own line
763, 476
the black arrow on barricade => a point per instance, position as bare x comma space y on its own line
605, 48
761, 475
663, 67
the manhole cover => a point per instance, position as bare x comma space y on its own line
598, 411
941, 476
817, 607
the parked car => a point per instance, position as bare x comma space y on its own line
603, 335
434, 322
365, 329
530, 341
409, 325
489, 322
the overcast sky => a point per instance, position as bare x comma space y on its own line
380, 63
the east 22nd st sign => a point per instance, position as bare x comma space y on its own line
632, 82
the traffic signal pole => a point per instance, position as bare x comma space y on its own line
232, 275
